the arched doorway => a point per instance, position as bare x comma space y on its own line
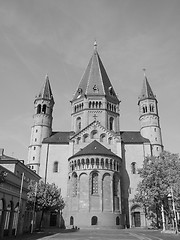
94, 220
136, 219
136, 216
71, 220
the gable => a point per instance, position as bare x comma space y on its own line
95, 131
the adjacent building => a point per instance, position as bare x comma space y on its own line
14, 179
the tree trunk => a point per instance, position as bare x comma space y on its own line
157, 216
40, 224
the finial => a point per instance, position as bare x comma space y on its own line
95, 45
144, 70
47, 77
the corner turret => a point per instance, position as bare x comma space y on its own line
149, 117
42, 126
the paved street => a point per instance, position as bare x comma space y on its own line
108, 234
100, 234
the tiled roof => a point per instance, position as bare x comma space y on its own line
59, 138
146, 92
95, 148
95, 81
133, 137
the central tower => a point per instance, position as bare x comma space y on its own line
95, 98
94, 177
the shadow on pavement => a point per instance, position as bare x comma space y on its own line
40, 234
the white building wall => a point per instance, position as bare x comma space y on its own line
56, 153
133, 153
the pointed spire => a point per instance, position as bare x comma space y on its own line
46, 92
95, 80
146, 92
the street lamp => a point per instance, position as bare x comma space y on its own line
171, 204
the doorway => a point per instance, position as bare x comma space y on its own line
137, 219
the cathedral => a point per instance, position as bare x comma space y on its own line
95, 163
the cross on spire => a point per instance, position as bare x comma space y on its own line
95, 45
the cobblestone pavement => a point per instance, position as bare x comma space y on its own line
98, 234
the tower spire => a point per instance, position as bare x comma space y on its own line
146, 92
95, 81
46, 92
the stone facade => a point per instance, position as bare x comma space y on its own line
95, 163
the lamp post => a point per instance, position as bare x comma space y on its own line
172, 204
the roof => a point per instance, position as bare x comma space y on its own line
95, 148
128, 137
146, 92
95, 81
58, 138
10, 163
46, 92
133, 137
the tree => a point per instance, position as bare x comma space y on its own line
44, 197
159, 175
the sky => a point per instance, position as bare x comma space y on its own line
56, 37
